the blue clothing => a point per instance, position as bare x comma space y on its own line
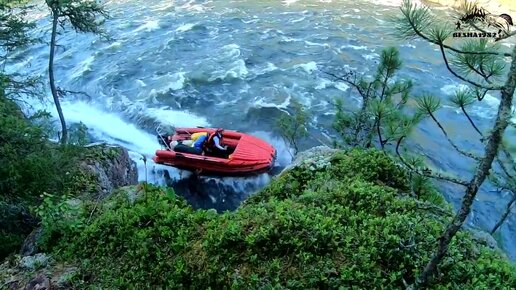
199, 142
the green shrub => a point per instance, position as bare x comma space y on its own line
31, 165
370, 165
10, 242
347, 226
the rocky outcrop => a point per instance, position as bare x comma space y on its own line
103, 168
315, 158
484, 238
36, 272
110, 166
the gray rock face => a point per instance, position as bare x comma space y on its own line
486, 239
112, 167
30, 245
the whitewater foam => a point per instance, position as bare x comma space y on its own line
341, 86
191, 6
355, 47
174, 82
261, 103
109, 127
148, 25
82, 68
308, 67
167, 116
316, 44
141, 83
238, 70
288, 2
298, 20
323, 83
290, 39
393, 3
370, 56
186, 27
284, 152
266, 69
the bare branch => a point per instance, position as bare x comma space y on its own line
62, 92
471, 121
505, 214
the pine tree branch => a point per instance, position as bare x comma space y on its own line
480, 72
490, 88
348, 81
471, 121
378, 130
467, 154
498, 160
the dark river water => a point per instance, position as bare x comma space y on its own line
238, 65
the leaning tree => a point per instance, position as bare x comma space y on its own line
83, 16
481, 64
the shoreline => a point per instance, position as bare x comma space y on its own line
496, 7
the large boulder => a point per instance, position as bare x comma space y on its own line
102, 168
315, 158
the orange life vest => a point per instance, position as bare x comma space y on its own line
209, 144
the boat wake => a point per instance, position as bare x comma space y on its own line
220, 193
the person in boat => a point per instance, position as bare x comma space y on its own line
212, 145
200, 141
204, 142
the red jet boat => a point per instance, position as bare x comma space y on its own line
246, 154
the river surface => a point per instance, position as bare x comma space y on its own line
238, 65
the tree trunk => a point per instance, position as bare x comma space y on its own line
491, 150
505, 214
53, 89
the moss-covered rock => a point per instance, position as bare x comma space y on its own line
104, 168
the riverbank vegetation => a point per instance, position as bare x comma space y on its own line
355, 217
352, 222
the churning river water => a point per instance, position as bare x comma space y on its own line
238, 65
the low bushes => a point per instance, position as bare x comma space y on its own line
349, 225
